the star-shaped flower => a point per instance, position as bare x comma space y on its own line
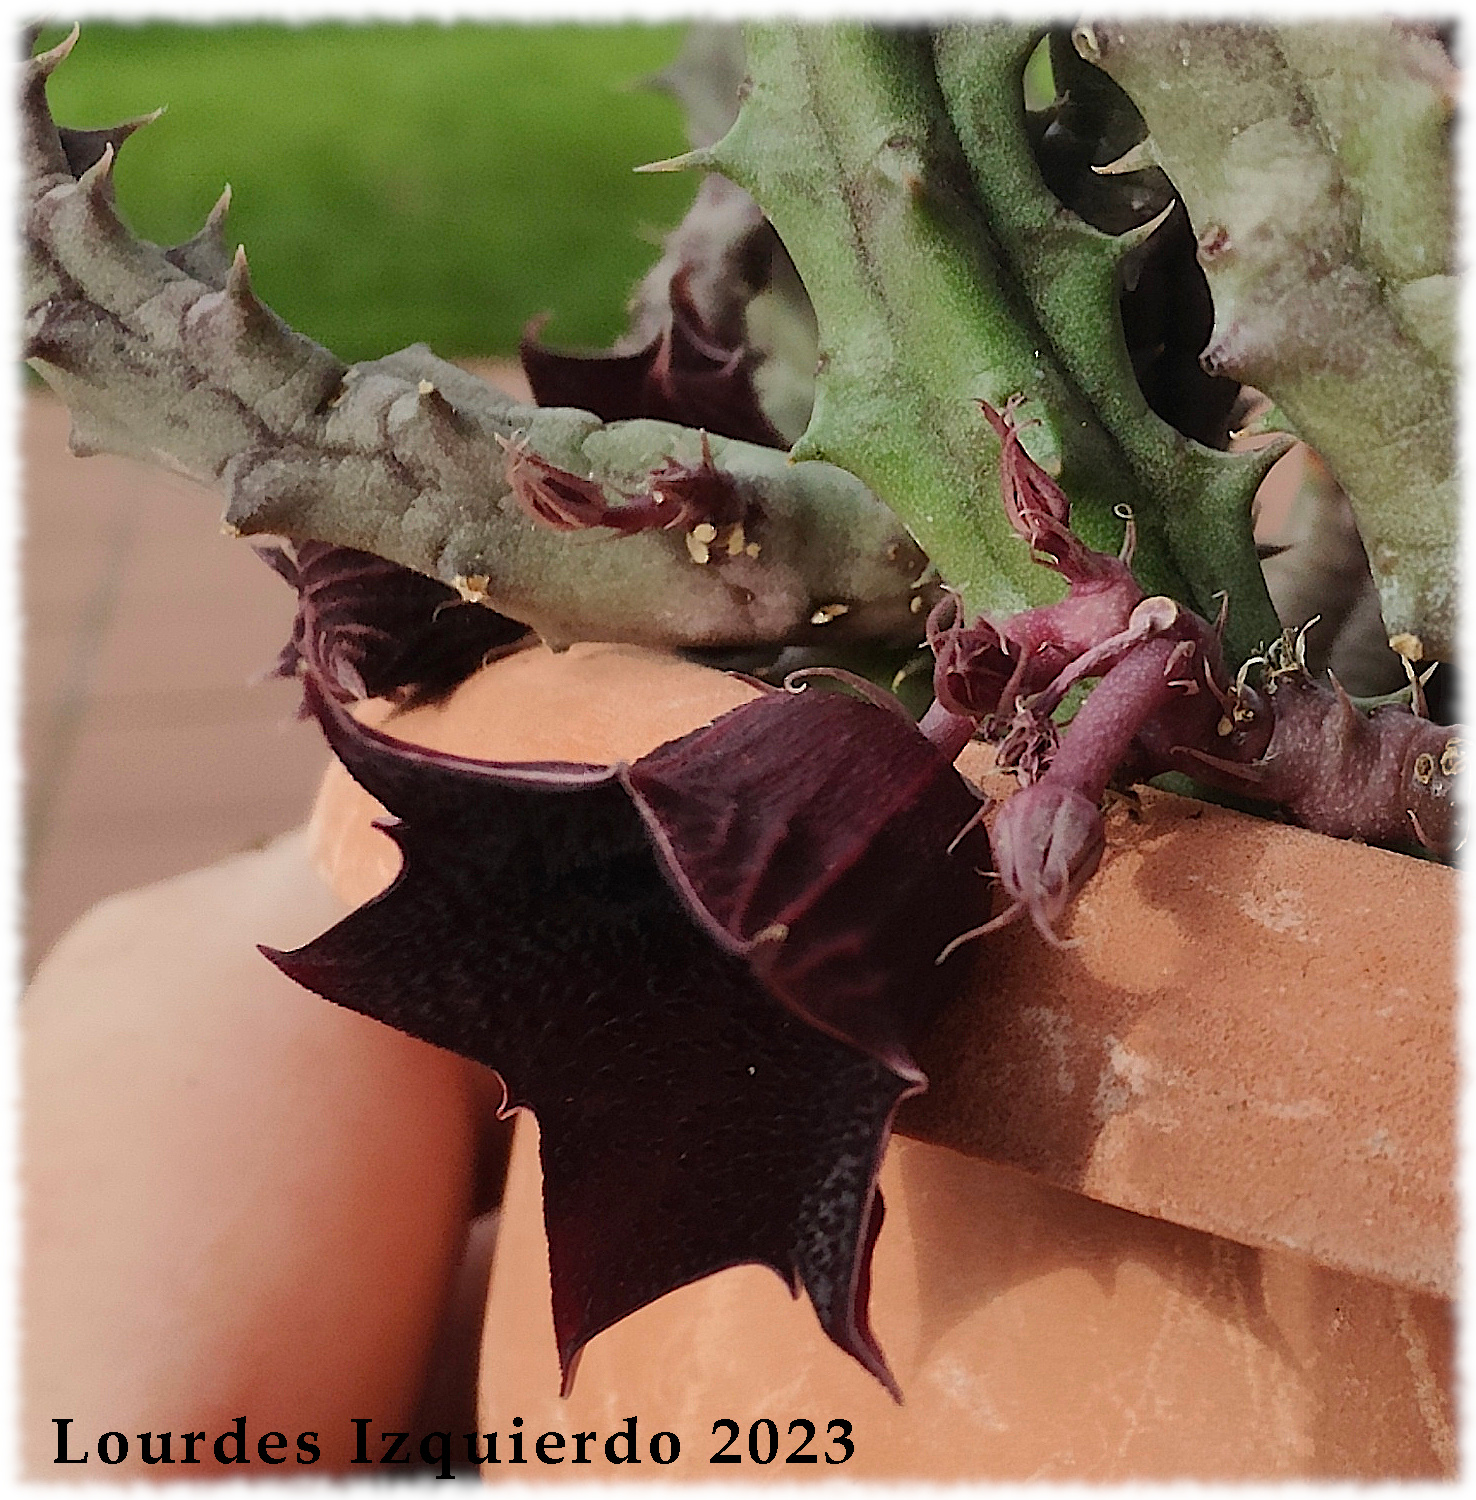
701, 972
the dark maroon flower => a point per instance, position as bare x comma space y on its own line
690, 373
371, 629
702, 972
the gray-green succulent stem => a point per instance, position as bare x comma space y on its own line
1314, 161
168, 355
895, 166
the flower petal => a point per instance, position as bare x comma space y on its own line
812, 833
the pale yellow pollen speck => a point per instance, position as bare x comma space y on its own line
472, 587
697, 548
706, 532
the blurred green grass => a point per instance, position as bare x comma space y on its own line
400, 182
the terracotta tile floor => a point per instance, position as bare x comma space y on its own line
151, 744
148, 746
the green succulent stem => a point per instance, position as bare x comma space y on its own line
895, 166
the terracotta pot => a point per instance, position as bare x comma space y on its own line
1245, 1048
235, 1203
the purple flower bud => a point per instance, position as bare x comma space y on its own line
973, 664
1032, 499
1039, 510
677, 494
1048, 840
553, 496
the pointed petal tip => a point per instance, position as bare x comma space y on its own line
300, 966
280, 959
856, 1337
887, 1380
569, 1354
862, 1346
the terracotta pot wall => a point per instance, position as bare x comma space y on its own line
1251, 1032
1036, 1334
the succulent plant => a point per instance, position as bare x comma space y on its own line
1002, 304
1320, 189
897, 167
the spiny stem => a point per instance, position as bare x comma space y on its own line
895, 166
